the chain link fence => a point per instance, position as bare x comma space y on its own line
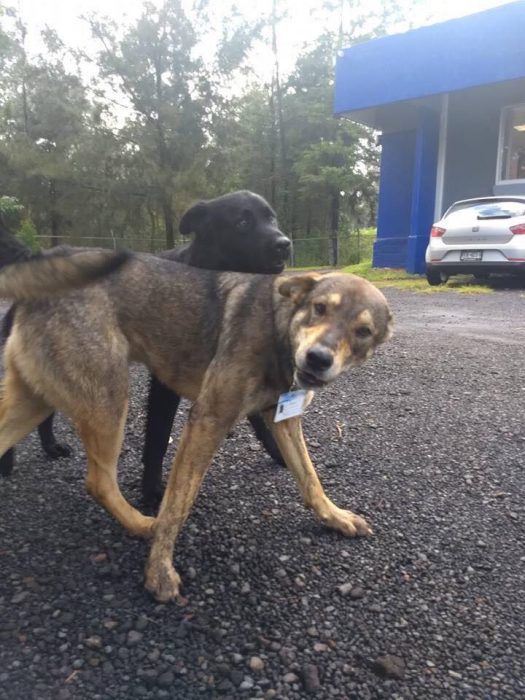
139, 244
349, 248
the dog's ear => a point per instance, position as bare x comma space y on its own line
195, 219
296, 287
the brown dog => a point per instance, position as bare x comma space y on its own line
231, 343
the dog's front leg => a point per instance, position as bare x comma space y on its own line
289, 436
200, 439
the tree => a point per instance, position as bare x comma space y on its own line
42, 121
174, 113
173, 98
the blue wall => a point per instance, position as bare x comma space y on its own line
424, 190
395, 198
406, 194
479, 49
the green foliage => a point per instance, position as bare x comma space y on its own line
354, 246
27, 233
173, 113
11, 212
12, 217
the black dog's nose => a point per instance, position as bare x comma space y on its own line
318, 358
283, 245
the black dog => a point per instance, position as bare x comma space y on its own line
237, 232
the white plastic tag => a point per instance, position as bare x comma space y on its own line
290, 404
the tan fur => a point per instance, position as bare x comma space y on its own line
229, 342
334, 299
289, 436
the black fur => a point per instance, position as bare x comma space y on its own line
237, 232
11, 249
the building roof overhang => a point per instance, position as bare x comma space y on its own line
377, 80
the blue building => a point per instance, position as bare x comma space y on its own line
449, 101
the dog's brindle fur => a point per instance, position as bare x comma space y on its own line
245, 339
237, 232
11, 251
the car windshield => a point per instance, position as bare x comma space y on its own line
504, 209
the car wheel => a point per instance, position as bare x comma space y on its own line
435, 277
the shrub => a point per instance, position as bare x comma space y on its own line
28, 235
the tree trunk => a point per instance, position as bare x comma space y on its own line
23, 33
273, 147
290, 232
153, 233
54, 216
373, 212
168, 222
308, 220
283, 185
166, 164
334, 229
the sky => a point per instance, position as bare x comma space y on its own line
300, 27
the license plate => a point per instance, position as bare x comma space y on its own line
471, 255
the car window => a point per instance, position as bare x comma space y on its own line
500, 209
491, 210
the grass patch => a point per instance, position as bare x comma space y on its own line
359, 246
314, 251
400, 279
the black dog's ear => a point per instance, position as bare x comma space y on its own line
195, 219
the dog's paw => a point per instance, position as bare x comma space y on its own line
163, 582
55, 450
348, 523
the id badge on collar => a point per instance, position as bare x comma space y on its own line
290, 404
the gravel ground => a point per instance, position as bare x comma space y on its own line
426, 441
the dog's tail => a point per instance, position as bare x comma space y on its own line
45, 275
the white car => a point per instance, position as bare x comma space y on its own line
477, 236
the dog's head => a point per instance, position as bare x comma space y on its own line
242, 230
338, 320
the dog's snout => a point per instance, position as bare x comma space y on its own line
282, 245
319, 358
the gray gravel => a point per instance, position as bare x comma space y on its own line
426, 441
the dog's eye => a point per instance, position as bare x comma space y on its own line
363, 332
243, 223
320, 309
